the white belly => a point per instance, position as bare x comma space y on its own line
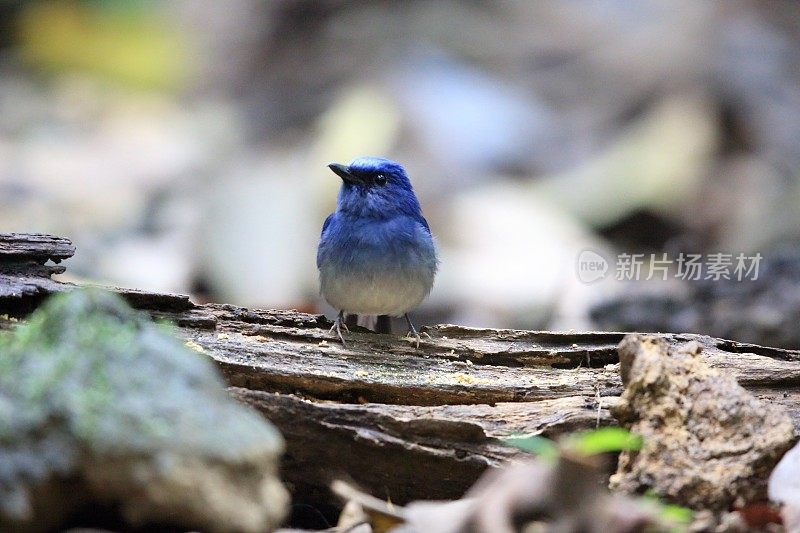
387, 293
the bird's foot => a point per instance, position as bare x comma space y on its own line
415, 335
338, 324
412, 332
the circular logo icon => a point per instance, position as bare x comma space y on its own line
591, 266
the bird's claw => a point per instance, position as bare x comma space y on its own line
338, 324
412, 331
415, 335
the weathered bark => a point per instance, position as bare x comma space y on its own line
24, 276
34, 247
403, 423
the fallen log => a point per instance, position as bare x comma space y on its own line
401, 422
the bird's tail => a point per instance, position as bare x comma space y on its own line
383, 324
378, 324
351, 321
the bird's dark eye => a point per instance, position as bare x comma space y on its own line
380, 179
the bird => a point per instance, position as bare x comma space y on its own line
376, 254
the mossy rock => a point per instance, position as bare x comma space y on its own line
100, 405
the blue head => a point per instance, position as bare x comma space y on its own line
375, 187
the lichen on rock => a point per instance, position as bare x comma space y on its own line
708, 443
98, 404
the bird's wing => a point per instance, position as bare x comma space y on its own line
320, 248
326, 224
425, 223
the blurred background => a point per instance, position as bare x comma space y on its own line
182, 144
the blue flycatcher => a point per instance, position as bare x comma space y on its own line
376, 254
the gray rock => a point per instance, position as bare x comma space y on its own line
99, 405
708, 443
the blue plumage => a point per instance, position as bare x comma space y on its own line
376, 254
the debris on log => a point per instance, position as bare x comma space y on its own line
410, 424
567, 496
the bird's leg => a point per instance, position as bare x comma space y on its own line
337, 326
412, 331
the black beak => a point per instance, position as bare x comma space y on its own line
343, 172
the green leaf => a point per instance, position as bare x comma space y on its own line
536, 444
603, 440
675, 514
